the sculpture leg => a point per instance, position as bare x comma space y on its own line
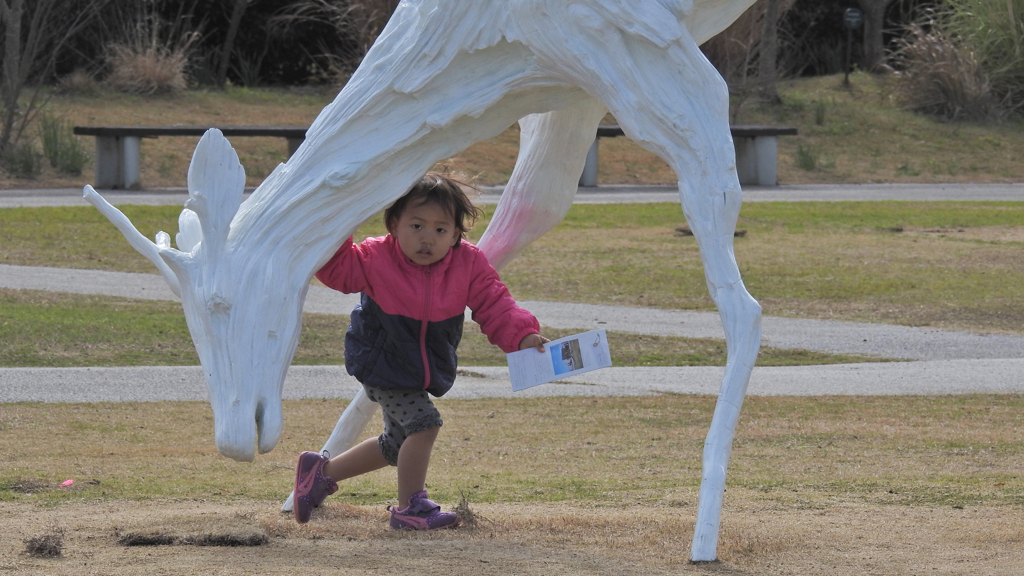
348, 429
681, 113
552, 150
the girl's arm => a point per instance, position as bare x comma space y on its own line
346, 270
506, 325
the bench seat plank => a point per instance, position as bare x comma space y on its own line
756, 152
118, 153
157, 131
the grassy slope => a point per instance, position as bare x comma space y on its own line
862, 137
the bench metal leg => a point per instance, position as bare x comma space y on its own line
108, 162
117, 162
589, 176
131, 155
756, 160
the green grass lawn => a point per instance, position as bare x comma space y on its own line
949, 265
789, 451
942, 264
51, 329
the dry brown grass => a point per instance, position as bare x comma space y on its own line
165, 160
866, 137
840, 485
843, 539
805, 452
48, 544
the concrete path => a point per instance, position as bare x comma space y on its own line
878, 340
947, 362
943, 362
599, 194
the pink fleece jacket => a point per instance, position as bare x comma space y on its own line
378, 268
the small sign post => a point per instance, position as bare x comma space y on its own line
852, 19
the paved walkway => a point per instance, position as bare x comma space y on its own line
600, 194
942, 362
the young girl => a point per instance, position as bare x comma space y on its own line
416, 283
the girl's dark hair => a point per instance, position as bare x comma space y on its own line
442, 191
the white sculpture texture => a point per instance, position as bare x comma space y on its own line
443, 75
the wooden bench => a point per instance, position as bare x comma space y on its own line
118, 147
756, 153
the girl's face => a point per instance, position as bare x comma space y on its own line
425, 233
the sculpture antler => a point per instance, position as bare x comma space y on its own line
205, 219
143, 245
216, 181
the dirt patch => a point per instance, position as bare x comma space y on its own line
203, 529
996, 234
28, 486
847, 538
49, 544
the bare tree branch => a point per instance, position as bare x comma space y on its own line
30, 54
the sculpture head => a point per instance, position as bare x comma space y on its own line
242, 294
242, 290
245, 326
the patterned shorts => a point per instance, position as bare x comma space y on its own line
406, 412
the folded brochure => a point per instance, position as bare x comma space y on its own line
563, 357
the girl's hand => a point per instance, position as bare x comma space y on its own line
533, 341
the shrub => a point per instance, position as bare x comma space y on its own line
965, 61
807, 157
78, 83
994, 30
820, 112
942, 77
61, 147
23, 160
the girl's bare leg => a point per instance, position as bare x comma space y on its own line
413, 461
360, 459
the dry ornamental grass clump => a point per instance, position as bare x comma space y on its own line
152, 57
153, 70
942, 77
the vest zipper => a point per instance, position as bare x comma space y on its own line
423, 328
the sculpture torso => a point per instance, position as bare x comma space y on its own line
442, 75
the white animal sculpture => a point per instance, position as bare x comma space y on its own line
442, 75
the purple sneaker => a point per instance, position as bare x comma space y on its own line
311, 486
422, 514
